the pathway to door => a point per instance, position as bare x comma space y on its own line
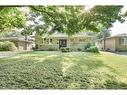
121, 53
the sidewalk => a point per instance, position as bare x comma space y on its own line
10, 53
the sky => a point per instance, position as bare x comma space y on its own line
119, 28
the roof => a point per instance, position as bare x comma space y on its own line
56, 34
116, 36
14, 39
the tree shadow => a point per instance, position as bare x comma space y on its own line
88, 78
114, 84
46, 72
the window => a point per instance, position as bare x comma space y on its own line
123, 41
47, 41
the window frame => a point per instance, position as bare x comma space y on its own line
123, 41
47, 41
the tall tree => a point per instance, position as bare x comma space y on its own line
73, 19
26, 32
11, 17
103, 33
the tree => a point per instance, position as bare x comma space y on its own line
11, 17
103, 33
37, 25
27, 30
73, 19
11, 34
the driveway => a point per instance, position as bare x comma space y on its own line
9, 53
121, 53
6, 54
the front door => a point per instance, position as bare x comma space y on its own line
62, 43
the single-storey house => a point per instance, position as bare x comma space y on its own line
113, 43
58, 40
20, 43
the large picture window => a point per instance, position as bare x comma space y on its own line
123, 41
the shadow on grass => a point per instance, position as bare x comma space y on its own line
114, 84
56, 71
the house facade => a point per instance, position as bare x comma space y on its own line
20, 43
114, 43
58, 40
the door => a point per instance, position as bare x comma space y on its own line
62, 43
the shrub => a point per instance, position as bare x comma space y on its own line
7, 46
79, 49
93, 49
88, 45
65, 49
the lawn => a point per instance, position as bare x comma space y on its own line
56, 70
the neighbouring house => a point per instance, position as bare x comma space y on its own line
113, 43
20, 42
58, 40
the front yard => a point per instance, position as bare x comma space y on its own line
56, 70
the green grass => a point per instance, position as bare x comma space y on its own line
56, 70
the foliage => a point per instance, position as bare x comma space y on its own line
7, 46
27, 30
37, 21
55, 70
103, 33
93, 49
107, 15
73, 19
125, 14
11, 34
11, 17
88, 45
65, 49
79, 49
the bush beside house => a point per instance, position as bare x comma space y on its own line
7, 46
65, 49
91, 48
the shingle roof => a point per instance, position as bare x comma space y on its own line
14, 39
119, 35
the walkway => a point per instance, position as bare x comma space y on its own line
10, 53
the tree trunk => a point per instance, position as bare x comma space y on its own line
25, 42
104, 44
104, 38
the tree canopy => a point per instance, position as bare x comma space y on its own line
11, 17
73, 19
103, 33
64, 19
